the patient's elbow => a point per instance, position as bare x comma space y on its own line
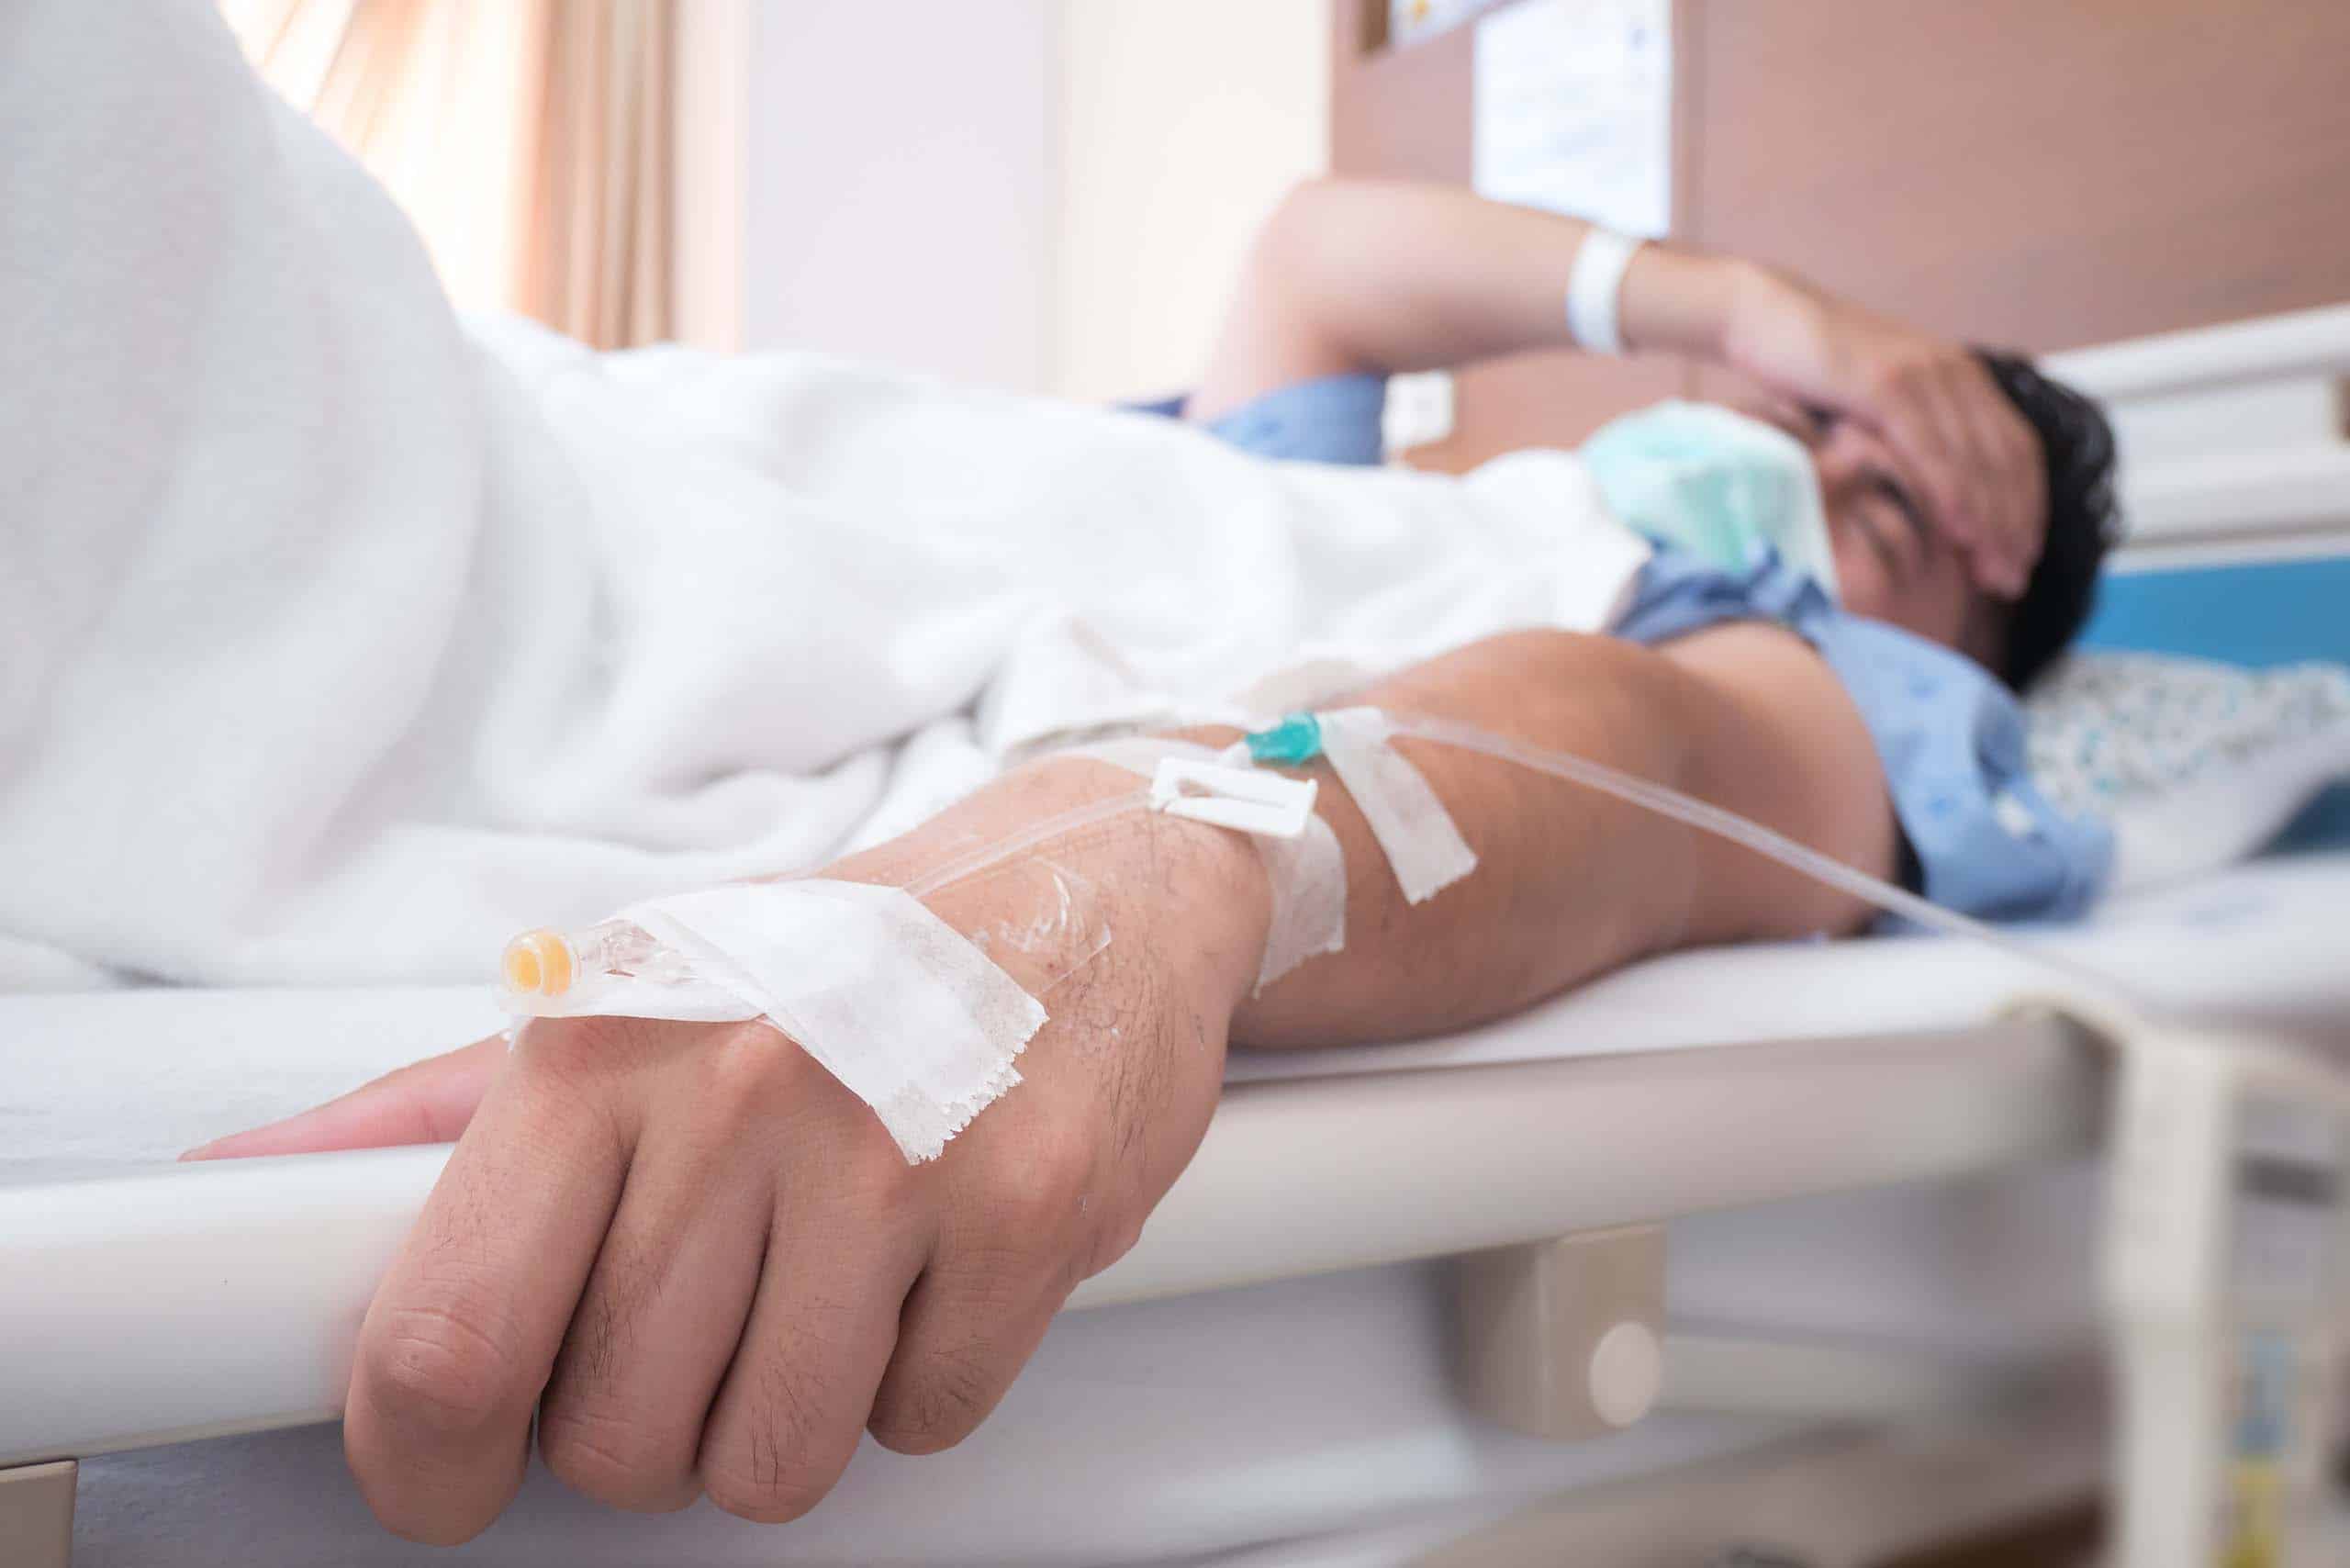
1281, 246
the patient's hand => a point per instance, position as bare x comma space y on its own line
1965, 447
703, 1264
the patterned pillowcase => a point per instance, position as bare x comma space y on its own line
2195, 763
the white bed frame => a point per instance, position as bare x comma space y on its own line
1558, 1175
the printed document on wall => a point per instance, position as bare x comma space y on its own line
1575, 109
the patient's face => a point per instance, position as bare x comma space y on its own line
1892, 563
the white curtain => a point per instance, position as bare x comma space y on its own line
530, 142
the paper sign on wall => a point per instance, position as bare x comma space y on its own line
1573, 106
1409, 20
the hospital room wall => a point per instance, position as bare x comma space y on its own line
2045, 177
899, 184
1181, 125
1046, 195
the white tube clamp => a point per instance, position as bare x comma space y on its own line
1246, 800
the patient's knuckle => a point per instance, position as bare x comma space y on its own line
761, 1495
871, 1178
749, 1066
581, 1058
1113, 1240
615, 1458
1894, 379
1038, 1195
445, 1369
942, 1402
768, 1468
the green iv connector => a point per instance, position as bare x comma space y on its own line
1296, 739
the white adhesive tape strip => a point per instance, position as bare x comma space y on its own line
1309, 876
1423, 848
1308, 873
889, 998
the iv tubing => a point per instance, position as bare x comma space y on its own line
987, 857
1753, 835
1641, 792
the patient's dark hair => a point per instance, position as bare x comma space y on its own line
2083, 521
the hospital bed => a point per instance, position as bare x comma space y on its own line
1724, 1230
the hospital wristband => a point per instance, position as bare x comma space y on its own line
1593, 287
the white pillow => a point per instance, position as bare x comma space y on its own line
2195, 764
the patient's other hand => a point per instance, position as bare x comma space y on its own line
701, 1260
1962, 445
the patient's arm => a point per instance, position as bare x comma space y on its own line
1391, 276
701, 1263
1394, 276
1571, 882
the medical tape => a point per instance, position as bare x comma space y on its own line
1051, 926
1423, 846
908, 1015
1309, 903
1308, 874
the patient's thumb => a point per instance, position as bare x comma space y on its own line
427, 1102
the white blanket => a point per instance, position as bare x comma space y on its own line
343, 639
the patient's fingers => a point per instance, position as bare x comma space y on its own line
426, 1102
1995, 510
968, 1328
2009, 455
665, 1308
1922, 426
1007, 1259
462, 1332
842, 1254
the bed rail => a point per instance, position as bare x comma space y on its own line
2230, 434
2296, 346
105, 1280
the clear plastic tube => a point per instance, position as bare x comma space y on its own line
1741, 830
987, 857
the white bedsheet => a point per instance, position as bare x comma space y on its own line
339, 641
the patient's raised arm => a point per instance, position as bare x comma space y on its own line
703, 1267
1386, 276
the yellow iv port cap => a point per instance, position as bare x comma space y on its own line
537, 963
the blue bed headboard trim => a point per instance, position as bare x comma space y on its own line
2250, 612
